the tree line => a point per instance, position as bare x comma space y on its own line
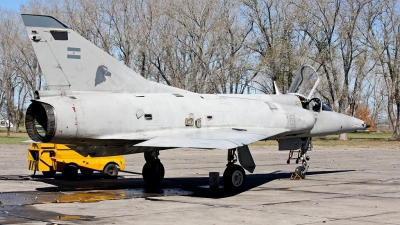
227, 46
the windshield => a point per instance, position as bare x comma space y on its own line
326, 107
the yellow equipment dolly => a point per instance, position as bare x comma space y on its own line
50, 158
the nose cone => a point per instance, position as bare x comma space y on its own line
352, 124
336, 123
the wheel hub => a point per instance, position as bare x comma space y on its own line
237, 178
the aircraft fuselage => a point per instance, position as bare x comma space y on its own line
95, 116
93, 119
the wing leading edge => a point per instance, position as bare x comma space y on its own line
223, 138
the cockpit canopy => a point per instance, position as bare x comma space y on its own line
304, 85
305, 82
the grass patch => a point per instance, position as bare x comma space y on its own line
14, 138
369, 139
362, 135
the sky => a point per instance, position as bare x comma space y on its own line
11, 4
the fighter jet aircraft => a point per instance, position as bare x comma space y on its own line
100, 107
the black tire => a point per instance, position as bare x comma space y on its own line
234, 177
49, 174
300, 171
153, 172
70, 172
86, 173
111, 170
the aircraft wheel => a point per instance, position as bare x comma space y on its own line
86, 173
299, 170
234, 177
70, 172
153, 172
111, 170
49, 174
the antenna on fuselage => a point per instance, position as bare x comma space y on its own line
276, 89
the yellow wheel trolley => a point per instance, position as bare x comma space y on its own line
50, 158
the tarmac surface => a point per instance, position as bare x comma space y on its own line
343, 186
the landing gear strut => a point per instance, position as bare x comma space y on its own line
234, 175
153, 170
300, 172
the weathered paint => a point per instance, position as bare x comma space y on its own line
117, 111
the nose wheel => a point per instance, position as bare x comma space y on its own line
299, 171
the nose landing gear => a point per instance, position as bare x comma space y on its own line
300, 171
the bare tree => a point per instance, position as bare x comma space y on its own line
13, 86
355, 64
384, 39
198, 46
374, 94
275, 41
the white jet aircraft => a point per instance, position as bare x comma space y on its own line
100, 107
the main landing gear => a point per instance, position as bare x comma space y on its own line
300, 171
153, 170
234, 175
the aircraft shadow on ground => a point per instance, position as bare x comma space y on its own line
188, 186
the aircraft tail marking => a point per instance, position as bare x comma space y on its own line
70, 62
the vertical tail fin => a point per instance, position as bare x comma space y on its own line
70, 62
